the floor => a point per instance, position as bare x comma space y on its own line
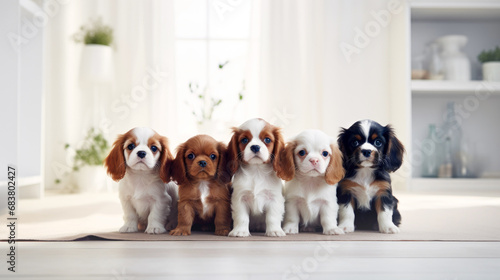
126, 260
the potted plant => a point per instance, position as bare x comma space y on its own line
97, 57
89, 172
491, 64
203, 104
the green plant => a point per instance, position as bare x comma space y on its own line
93, 150
490, 55
95, 33
205, 104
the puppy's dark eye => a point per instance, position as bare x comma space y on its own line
213, 157
377, 143
244, 141
154, 148
131, 146
355, 143
191, 156
302, 153
267, 140
325, 153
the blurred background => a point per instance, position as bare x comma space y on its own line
76, 73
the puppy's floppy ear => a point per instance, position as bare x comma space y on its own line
233, 153
223, 174
115, 161
341, 140
165, 160
393, 157
335, 170
287, 162
178, 166
279, 146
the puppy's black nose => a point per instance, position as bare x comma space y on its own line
141, 154
255, 148
202, 163
366, 153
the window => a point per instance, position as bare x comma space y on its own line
212, 40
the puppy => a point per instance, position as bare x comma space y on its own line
200, 170
257, 201
138, 160
371, 152
312, 164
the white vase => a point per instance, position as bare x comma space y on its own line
91, 179
96, 67
491, 71
456, 65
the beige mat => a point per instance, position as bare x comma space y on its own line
426, 217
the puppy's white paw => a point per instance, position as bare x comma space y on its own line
290, 228
333, 231
155, 230
129, 228
347, 227
389, 228
275, 233
239, 233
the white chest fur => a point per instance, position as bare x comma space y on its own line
365, 193
204, 191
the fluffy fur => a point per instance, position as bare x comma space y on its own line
312, 164
204, 199
257, 201
371, 152
139, 160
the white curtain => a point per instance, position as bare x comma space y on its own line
142, 91
307, 80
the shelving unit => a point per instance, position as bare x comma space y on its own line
481, 99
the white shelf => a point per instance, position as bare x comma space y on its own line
455, 184
470, 10
425, 87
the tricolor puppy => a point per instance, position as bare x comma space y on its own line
312, 164
139, 160
257, 201
204, 199
371, 152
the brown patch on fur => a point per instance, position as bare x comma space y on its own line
335, 171
189, 174
346, 186
287, 162
235, 147
382, 190
374, 136
357, 136
115, 161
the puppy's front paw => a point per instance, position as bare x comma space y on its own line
347, 227
239, 233
155, 229
333, 231
222, 232
180, 231
290, 228
275, 233
129, 228
389, 228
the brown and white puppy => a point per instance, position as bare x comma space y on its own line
312, 164
204, 199
140, 160
257, 201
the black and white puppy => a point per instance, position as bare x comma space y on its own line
370, 153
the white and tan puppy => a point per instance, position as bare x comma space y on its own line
257, 201
140, 161
312, 164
